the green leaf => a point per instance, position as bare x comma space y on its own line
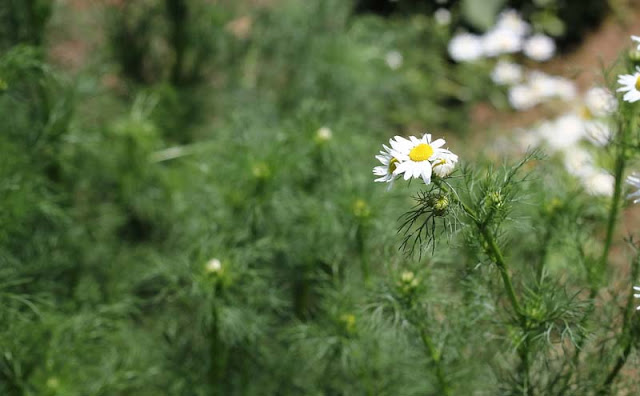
481, 13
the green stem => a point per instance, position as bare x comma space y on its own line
436, 357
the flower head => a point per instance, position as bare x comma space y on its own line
636, 39
465, 47
510, 19
444, 163
213, 266
500, 41
600, 102
539, 47
630, 85
394, 59
506, 73
389, 164
417, 156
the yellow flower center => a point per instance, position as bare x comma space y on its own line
638, 83
421, 152
440, 162
393, 164
586, 113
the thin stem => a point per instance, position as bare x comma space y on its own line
436, 357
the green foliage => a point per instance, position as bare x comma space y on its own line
206, 223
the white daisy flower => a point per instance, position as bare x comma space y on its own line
415, 155
323, 134
636, 39
600, 102
213, 266
539, 47
389, 164
631, 85
564, 132
443, 166
510, 19
598, 182
634, 181
522, 97
578, 161
598, 132
506, 73
465, 47
500, 41
442, 16
394, 60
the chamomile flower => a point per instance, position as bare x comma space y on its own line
600, 102
522, 97
415, 156
539, 47
444, 164
500, 41
394, 60
510, 19
634, 181
465, 47
630, 85
636, 39
389, 164
506, 73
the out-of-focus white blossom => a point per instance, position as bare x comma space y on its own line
442, 16
539, 47
564, 132
465, 47
510, 19
522, 97
637, 40
598, 182
394, 59
323, 134
598, 132
578, 161
506, 73
500, 41
600, 102
634, 181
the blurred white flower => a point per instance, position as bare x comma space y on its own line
539, 47
506, 73
598, 132
578, 161
600, 102
213, 266
323, 134
442, 16
527, 139
389, 164
522, 97
598, 182
415, 156
631, 85
564, 89
634, 181
394, 59
465, 47
500, 41
444, 163
510, 19
563, 133
636, 39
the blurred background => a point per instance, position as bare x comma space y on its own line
186, 199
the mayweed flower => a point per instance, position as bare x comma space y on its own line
600, 102
634, 181
522, 97
388, 167
636, 39
213, 266
511, 20
506, 73
598, 182
539, 47
500, 41
415, 158
598, 132
631, 85
442, 16
323, 134
564, 132
394, 60
465, 47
